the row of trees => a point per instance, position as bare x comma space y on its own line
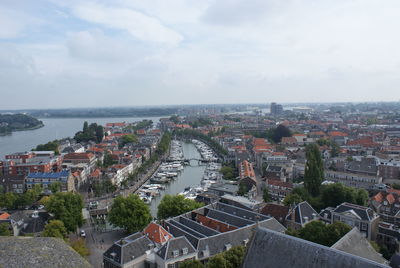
162, 148
92, 132
11, 200
132, 214
198, 135
50, 146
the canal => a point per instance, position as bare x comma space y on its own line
190, 176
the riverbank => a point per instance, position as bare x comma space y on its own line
21, 129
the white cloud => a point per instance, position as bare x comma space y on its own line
14, 23
139, 25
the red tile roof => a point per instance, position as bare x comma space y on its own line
279, 212
4, 216
337, 134
157, 233
280, 183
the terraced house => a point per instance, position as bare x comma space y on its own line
198, 234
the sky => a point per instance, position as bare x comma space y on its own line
96, 53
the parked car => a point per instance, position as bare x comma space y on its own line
83, 233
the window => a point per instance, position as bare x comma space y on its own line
185, 251
175, 253
364, 226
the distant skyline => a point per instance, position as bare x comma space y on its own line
98, 53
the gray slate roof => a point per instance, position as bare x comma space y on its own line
43, 252
276, 250
355, 243
130, 247
302, 210
365, 213
166, 252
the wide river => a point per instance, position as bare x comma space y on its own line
54, 128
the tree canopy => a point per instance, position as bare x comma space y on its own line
232, 258
130, 213
228, 172
319, 232
191, 264
331, 195
174, 205
55, 228
5, 229
92, 132
314, 170
334, 194
67, 207
50, 146
130, 138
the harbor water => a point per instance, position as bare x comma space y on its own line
190, 176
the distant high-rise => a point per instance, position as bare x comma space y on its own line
276, 109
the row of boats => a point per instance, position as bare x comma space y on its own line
166, 172
211, 173
205, 151
170, 170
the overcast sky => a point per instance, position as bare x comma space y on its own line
87, 53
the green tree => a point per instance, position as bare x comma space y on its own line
5, 229
291, 199
361, 197
227, 172
242, 189
218, 261
334, 194
79, 246
235, 256
130, 138
55, 187
174, 205
280, 132
314, 170
85, 126
191, 264
99, 133
107, 159
130, 213
50, 146
319, 232
266, 196
335, 150
55, 228
67, 207
8, 200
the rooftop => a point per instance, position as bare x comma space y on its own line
38, 252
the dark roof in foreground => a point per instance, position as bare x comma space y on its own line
276, 250
38, 252
355, 243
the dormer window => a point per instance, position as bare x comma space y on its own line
185, 251
228, 246
175, 253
